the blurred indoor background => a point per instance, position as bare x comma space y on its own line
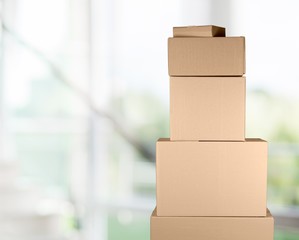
84, 96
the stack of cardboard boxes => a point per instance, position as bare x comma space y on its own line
211, 180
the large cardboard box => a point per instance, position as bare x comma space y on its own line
199, 31
196, 178
209, 56
212, 228
207, 108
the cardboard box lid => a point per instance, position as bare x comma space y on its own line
154, 214
216, 228
164, 139
199, 31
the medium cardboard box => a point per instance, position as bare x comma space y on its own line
199, 31
207, 108
209, 56
196, 178
212, 228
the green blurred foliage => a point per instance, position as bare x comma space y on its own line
272, 117
144, 114
286, 235
136, 228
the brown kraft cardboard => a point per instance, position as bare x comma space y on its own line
199, 31
208, 56
207, 108
197, 178
212, 228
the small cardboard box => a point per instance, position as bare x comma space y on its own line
196, 178
207, 108
212, 228
209, 56
199, 31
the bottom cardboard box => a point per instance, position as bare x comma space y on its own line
212, 228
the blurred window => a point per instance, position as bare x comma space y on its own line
84, 95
